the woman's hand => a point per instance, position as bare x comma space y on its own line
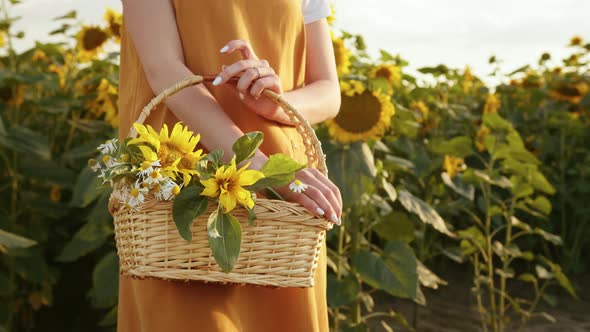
321, 196
256, 75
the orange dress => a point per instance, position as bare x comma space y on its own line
276, 31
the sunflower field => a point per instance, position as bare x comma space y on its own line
439, 169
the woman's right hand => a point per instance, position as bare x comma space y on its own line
321, 197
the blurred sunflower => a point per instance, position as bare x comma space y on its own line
352, 87
391, 73
576, 41
571, 93
421, 108
114, 20
13, 95
453, 165
480, 136
467, 79
2, 39
39, 56
90, 40
105, 102
362, 116
492, 104
342, 55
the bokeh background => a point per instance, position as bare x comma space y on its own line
462, 141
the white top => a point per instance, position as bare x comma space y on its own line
314, 10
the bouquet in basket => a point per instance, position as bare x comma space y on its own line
165, 166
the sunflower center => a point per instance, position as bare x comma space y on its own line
169, 153
383, 72
360, 113
93, 38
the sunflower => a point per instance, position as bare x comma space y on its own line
115, 20
352, 87
571, 93
362, 116
391, 73
467, 79
492, 104
332, 18
453, 165
39, 56
2, 39
576, 41
480, 136
228, 184
90, 41
176, 152
421, 108
342, 55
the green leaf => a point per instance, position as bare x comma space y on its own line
426, 213
69, 15
389, 189
528, 277
105, 281
226, 247
396, 226
278, 170
91, 236
495, 122
541, 204
24, 140
187, 206
394, 273
460, 146
11, 240
46, 170
245, 147
464, 189
110, 319
472, 239
341, 292
251, 217
427, 278
564, 282
539, 181
555, 239
85, 190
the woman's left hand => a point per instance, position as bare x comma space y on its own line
256, 75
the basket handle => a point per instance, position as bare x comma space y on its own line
313, 148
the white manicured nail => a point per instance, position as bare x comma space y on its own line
224, 49
217, 80
339, 222
320, 211
334, 218
241, 95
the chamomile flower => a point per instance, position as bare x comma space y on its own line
154, 178
147, 167
297, 186
109, 161
109, 147
94, 165
137, 195
167, 189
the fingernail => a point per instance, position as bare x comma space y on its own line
339, 222
320, 211
334, 218
224, 49
241, 95
217, 80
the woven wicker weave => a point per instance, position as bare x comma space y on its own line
282, 250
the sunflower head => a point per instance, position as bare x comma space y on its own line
90, 40
228, 184
576, 41
453, 165
480, 136
492, 104
342, 55
571, 93
175, 150
363, 115
115, 20
422, 109
391, 73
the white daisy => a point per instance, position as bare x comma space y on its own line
147, 168
110, 161
154, 178
167, 190
136, 195
297, 186
109, 147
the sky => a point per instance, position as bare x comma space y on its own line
424, 32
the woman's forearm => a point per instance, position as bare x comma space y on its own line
317, 102
198, 109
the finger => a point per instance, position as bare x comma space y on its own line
318, 197
250, 75
328, 183
239, 45
269, 82
328, 194
234, 69
307, 203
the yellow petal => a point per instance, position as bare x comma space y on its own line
250, 177
228, 201
148, 153
164, 133
211, 188
244, 197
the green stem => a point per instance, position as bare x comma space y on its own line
480, 307
525, 318
341, 256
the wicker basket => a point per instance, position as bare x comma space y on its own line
282, 250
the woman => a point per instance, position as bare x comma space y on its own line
282, 45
